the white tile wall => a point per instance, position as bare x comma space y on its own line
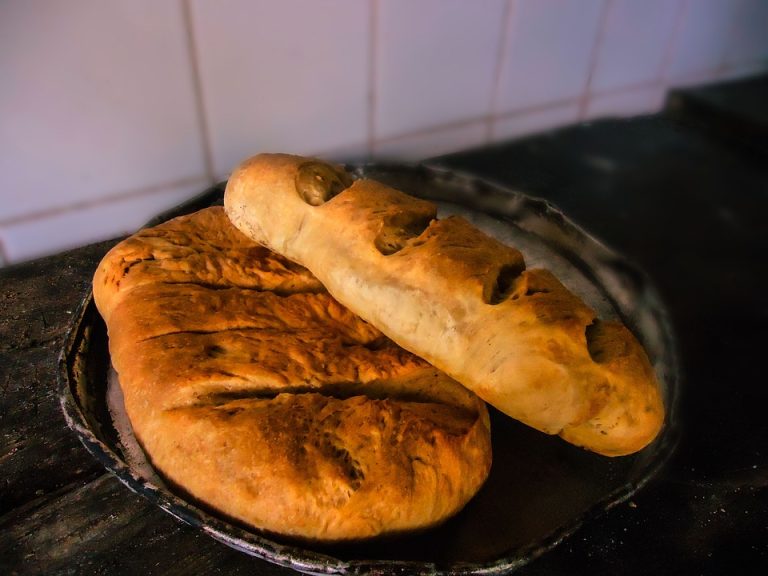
693, 79
287, 75
535, 121
548, 53
702, 42
433, 143
110, 112
740, 71
749, 36
96, 99
435, 62
620, 103
91, 222
635, 43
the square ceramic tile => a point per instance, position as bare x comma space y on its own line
437, 142
536, 121
97, 98
635, 43
435, 62
90, 223
702, 40
748, 42
634, 102
548, 52
282, 75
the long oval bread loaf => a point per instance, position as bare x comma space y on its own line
456, 297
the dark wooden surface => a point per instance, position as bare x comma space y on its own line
689, 208
60, 512
735, 111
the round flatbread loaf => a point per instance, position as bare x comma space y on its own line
256, 393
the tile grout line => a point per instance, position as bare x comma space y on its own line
710, 73
672, 44
595, 56
435, 129
373, 22
544, 107
334, 151
506, 25
4, 260
629, 88
707, 75
197, 85
575, 100
517, 113
136, 193
730, 36
761, 63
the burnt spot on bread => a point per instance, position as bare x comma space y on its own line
607, 341
350, 468
317, 182
531, 291
400, 230
128, 265
591, 333
597, 341
502, 284
215, 351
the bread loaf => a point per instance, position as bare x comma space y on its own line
456, 297
258, 395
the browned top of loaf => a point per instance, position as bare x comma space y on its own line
198, 249
458, 298
257, 393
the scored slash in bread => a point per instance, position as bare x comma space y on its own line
257, 394
456, 297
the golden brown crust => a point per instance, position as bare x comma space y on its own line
461, 300
326, 466
255, 392
195, 249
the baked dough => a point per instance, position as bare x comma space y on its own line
254, 392
456, 297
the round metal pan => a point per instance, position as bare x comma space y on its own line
540, 489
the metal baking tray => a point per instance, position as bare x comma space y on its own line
540, 489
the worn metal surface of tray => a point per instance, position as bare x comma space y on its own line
540, 489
